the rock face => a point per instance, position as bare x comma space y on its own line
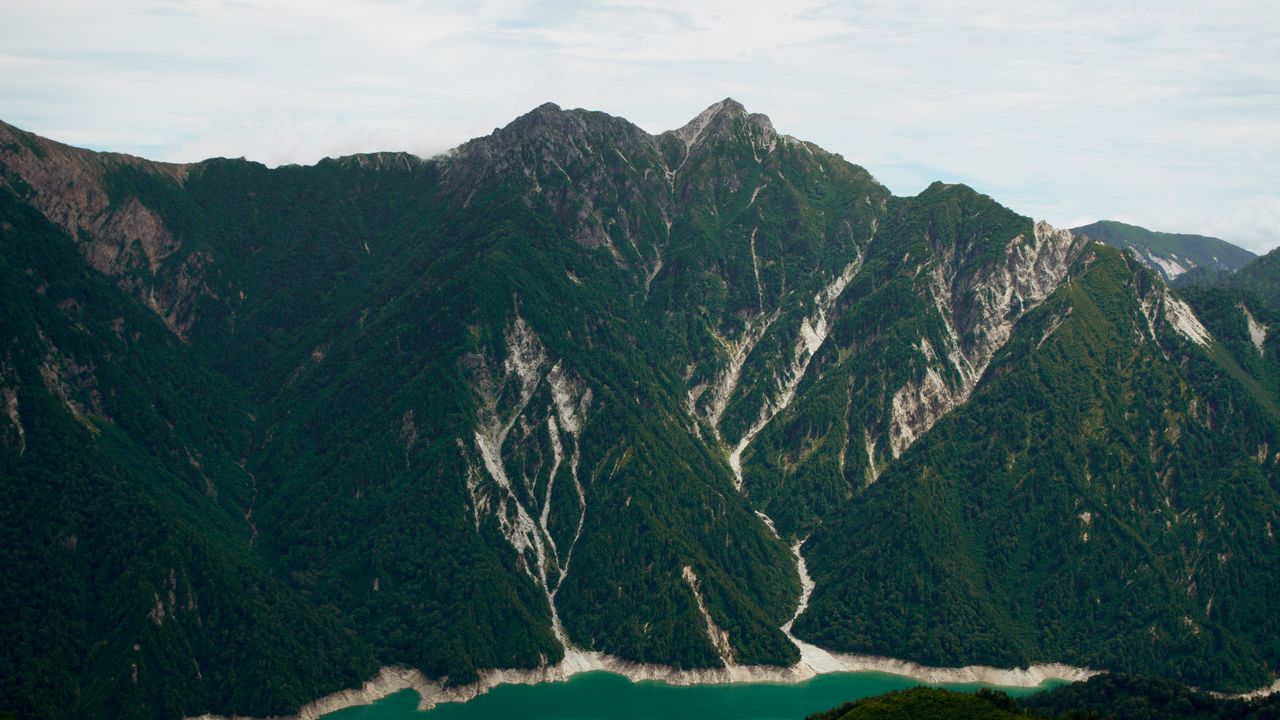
91, 196
1113, 359
982, 308
592, 171
575, 395
70, 186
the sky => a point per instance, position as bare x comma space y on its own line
1162, 114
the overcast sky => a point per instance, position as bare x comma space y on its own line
1164, 114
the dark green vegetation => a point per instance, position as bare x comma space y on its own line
1183, 260
1095, 469
276, 427
1125, 697
1103, 697
129, 587
922, 703
1261, 277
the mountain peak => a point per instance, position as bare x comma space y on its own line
719, 119
727, 104
547, 111
546, 108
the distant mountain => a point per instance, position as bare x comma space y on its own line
578, 388
1179, 259
1262, 277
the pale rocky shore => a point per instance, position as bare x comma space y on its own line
814, 661
1258, 694
391, 680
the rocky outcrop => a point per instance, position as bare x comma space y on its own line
69, 186
9, 397
1257, 330
595, 171
722, 121
118, 234
522, 504
1161, 308
979, 312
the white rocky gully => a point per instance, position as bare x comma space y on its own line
526, 360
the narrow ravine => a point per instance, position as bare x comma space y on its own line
812, 334
525, 362
718, 637
726, 382
657, 260
253, 502
811, 656
755, 263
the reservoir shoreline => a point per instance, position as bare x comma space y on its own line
394, 679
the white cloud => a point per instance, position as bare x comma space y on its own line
1252, 222
1166, 114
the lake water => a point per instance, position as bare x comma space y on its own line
605, 696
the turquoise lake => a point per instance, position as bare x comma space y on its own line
605, 696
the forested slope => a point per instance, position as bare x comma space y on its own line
576, 387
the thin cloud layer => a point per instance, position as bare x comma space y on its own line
1166, 115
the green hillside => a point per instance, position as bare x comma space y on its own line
573, 387
924, 703
1102, 697
129, 581
1125, 697
1261, 277
1182, 259
1096, 480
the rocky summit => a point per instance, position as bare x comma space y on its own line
711, 400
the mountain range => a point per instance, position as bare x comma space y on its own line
577, 387
1179, 259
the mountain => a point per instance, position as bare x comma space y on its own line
130, 586
1261, 277
573, 387
1183, 260
1113, 470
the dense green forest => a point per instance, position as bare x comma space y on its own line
1102, 697
1127, 697
1261, 277
129, 586
266, 430
923, 703
1065, 497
